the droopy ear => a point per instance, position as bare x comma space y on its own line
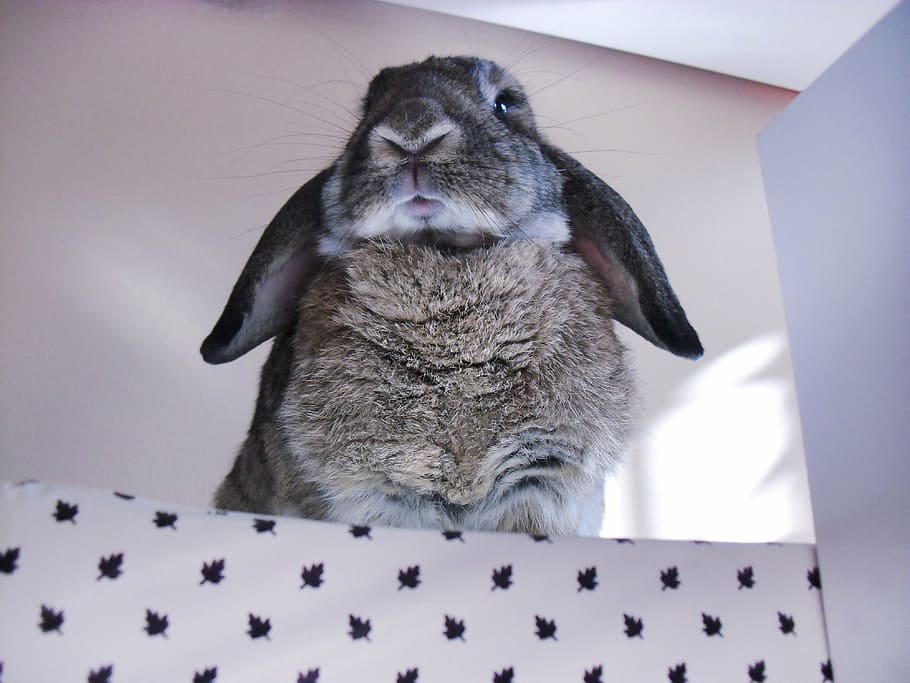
608, 235
283, 264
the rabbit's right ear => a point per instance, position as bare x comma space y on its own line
283, 264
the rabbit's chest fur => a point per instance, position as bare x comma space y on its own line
480, 389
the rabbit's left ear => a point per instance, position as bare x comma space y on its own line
609, 237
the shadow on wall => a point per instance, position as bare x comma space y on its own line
731, 419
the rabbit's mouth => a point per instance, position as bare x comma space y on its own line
422, 207
437, 222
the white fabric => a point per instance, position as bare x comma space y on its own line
53, 539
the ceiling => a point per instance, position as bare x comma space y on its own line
787, 43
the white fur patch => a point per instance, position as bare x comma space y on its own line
551, 227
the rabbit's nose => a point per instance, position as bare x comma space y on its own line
415, 148
416, 128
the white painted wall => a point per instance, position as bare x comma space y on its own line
781, 42
836, 168
142, 155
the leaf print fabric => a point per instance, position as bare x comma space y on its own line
109, 588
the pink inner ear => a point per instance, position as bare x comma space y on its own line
622, 288
276, 296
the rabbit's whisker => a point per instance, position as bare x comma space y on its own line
540, 44
260, 175
314, 89
616, 150
607, 112
284, 105
269, 193
564, 78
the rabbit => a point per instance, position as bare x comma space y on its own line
442, 299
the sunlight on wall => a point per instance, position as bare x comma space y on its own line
727, 434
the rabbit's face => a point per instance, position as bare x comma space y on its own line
446, 153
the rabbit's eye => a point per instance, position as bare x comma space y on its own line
502, 105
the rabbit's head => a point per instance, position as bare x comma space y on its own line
446, 153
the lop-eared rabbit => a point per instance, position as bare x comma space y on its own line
442, 299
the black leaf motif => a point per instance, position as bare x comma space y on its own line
66, 512
101, 675
360, 628
409, 676
51, 620
312, 575
587, 579
627, 541
110, 566
311, 676
546, 628
677, 674
815, 578
502, 577
827, 671
8, 559
702, 542
595, 675
264, 526
541, 538
757, 672
409, 578
207, 676
787, 624
746, 578
360, 531
453, 536
165, 519
634, 627
124, 496
504, 676
259, 628
669, 577
155, 624
712, 625
212, 572
454, 628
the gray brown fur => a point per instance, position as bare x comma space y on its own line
477, 390
443, 297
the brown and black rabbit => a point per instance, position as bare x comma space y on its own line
442, 299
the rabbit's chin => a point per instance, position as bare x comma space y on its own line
419, 220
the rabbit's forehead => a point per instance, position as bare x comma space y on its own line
492, 79
437, 76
